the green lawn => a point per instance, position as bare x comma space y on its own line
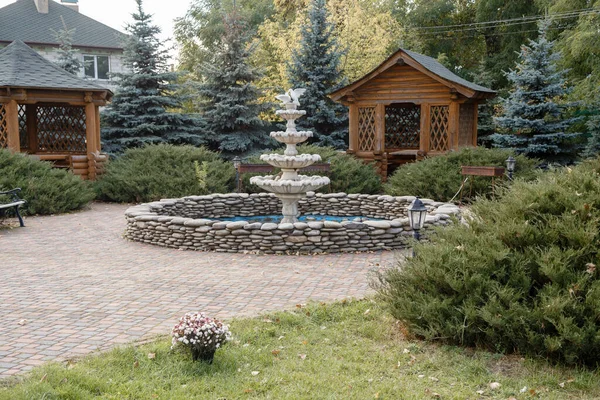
322, 351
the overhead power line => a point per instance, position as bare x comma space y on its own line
505, 22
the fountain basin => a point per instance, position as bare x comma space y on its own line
290, 114
291, 162
276, 185
293, 137
198, 223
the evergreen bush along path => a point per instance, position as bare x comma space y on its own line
522, 276
315, 66
47, 190
345, 350
161, 171
140, 113
532, 113
440, 177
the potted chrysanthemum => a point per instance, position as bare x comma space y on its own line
203, 335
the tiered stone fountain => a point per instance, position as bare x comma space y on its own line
288, 185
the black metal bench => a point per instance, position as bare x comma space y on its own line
14, 202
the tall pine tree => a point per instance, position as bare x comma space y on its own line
532, 116
315, 66
229, 95
139, 113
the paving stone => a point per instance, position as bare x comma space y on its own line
89, 288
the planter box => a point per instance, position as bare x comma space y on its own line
483, 171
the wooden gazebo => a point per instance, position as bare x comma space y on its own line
49, 113
410, 107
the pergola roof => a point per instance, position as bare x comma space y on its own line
21, 20
428, 66
22, 67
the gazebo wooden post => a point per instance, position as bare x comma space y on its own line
31, 117
424, 131
475, 116
91, 135
353, 129
98, 143
453, 125
379, 151
12, 126
379, 128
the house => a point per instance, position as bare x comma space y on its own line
409, 107
99, 46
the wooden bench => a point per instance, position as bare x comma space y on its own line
15, 202
266, 168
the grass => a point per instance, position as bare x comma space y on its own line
348, 350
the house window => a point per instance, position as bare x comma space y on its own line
96, 67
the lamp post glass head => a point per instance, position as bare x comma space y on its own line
236, 162
417, 212
510, 166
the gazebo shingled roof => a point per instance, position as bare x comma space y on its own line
409, 107
48, 112
23, 67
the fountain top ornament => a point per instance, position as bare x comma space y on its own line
288, 185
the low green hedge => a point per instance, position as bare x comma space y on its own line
163, 171
47, 190
439, 177
348, 174
522, 276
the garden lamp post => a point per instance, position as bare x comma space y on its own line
510, 166
417, 213
237, 161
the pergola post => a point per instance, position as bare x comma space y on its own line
453, 124
425, 129
475, 117
12, 126
92, 147
353, 129
31, 117
379, 128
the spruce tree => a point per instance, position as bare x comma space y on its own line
229, 95
139, 112
592, 148
67, 59
316, 67
535, 121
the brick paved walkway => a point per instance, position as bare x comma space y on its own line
81, 287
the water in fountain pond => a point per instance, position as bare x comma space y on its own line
304, 218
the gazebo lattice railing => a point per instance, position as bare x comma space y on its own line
3, 127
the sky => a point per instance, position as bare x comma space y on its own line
117, 13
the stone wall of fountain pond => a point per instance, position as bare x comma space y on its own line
196, 223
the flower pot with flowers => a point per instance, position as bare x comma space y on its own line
203, 335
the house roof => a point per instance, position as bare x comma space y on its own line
22, 21
22, 67
428, 66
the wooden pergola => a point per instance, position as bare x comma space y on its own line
49, 113
410, 107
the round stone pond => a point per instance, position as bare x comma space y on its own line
236, 222
303, 218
